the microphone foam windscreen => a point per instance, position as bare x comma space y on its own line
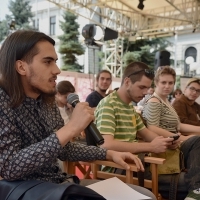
72, 97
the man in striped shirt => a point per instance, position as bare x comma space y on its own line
117, 119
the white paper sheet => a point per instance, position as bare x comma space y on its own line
115, 189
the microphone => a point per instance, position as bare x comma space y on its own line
93, 136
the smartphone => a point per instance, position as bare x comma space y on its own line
175, 137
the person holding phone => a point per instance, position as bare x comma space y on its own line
162, 119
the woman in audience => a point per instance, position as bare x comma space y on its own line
63, 89
176, 95
161, 118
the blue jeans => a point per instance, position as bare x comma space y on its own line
191, 152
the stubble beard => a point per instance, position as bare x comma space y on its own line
35, 88
130, 96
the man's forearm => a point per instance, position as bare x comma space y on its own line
133, 147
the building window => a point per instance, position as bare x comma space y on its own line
36, 25
52, 25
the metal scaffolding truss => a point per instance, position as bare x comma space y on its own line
114, 56
161, 18
173, 16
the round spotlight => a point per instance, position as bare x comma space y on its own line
95, 35
99, 33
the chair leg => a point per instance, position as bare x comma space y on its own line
154, 179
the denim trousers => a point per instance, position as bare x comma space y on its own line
191, 152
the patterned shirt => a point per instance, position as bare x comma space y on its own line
114, 117
29, 147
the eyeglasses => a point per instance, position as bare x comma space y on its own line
192, 89
148, 72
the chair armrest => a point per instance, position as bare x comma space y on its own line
112, 164
128, 178
154, 160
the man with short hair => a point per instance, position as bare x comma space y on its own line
103, 81
117, 119
32, 133
186, 106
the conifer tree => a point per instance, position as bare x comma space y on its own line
69, 43
21, 15
21, 11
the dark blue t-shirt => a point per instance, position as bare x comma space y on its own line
94, 98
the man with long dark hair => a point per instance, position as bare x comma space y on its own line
32, 132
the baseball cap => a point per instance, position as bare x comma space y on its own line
191, 80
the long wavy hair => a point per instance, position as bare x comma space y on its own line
21, 45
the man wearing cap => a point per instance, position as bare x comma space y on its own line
186, 107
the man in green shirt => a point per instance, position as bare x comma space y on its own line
118, 121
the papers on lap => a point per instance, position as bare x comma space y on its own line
115, 189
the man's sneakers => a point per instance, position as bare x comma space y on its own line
193, 195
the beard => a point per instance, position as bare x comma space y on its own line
130, 96
35, 87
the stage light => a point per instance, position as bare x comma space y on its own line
141, 5
96, 35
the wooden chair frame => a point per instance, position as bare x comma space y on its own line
70, 168
128, 178
152, 184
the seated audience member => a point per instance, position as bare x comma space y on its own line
187, 109
33, 134
103, 81
117, 119
141, 103
176, 95
162, 119
63, 88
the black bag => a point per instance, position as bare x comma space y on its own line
40, 190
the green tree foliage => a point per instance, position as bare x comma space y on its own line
144, 50
4, 29
69, 44
21, 14
21, 11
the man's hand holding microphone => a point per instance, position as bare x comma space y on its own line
81, 119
